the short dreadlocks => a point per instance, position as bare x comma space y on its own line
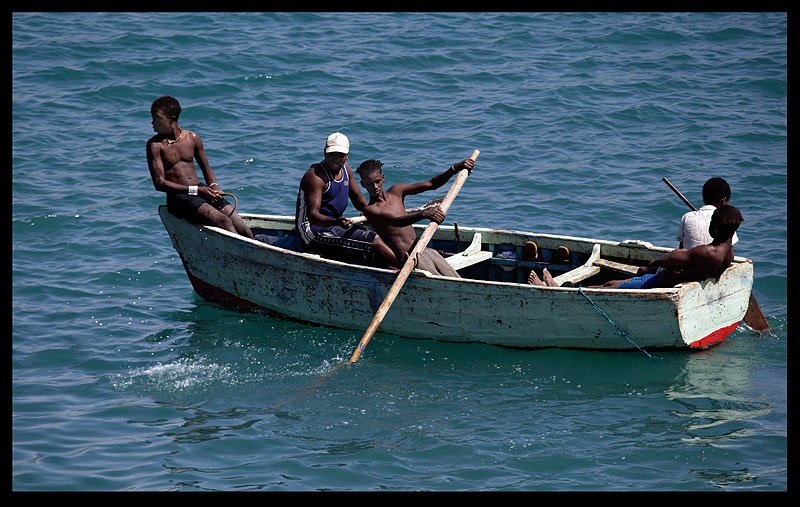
168, 105
369, 166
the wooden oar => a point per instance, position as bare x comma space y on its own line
427, 205
754, 317
670, 185
410, 263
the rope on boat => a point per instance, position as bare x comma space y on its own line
620, 331
235, 202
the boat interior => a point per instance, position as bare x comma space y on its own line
504, 256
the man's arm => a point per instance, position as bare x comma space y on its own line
157, 172
201, 159
681, 230
212, 191
679, 257
438, 180
356, 197
375, 215
312, 186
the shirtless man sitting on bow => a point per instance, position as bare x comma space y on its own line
170, 157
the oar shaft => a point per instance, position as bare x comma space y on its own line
679, 194
410, 263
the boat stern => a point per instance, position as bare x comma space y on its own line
710, 310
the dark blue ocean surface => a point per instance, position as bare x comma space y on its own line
124, 379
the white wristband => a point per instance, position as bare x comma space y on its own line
192, 189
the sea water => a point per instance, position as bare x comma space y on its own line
123, 379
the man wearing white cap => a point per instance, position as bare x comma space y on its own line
321, 202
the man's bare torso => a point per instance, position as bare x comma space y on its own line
709, 261
399, 239
177, 158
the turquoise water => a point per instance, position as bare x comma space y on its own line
123, 379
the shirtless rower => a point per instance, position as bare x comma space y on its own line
387, 214
170, 156
680, 265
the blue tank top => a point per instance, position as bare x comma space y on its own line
335, 195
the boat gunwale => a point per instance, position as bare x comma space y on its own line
654, 293
510, 232
191, 237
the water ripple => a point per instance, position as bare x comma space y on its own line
123, 378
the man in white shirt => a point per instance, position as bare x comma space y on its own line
693, 230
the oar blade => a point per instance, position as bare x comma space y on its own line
754, 318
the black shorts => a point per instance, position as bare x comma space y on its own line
353, 244
186, 206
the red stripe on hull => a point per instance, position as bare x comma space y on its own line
215, 294
716, 336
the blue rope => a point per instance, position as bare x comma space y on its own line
620, 331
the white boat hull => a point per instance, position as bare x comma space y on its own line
230, 269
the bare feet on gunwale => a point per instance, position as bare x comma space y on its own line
533, 279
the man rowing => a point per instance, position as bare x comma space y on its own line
387, 214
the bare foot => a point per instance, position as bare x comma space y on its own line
548, 279
534, 280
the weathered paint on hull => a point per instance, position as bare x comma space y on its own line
232, 270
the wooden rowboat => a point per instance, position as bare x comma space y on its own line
491, 304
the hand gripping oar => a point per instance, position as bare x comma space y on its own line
754, 317
410, 263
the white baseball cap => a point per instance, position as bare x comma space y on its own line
337, 142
